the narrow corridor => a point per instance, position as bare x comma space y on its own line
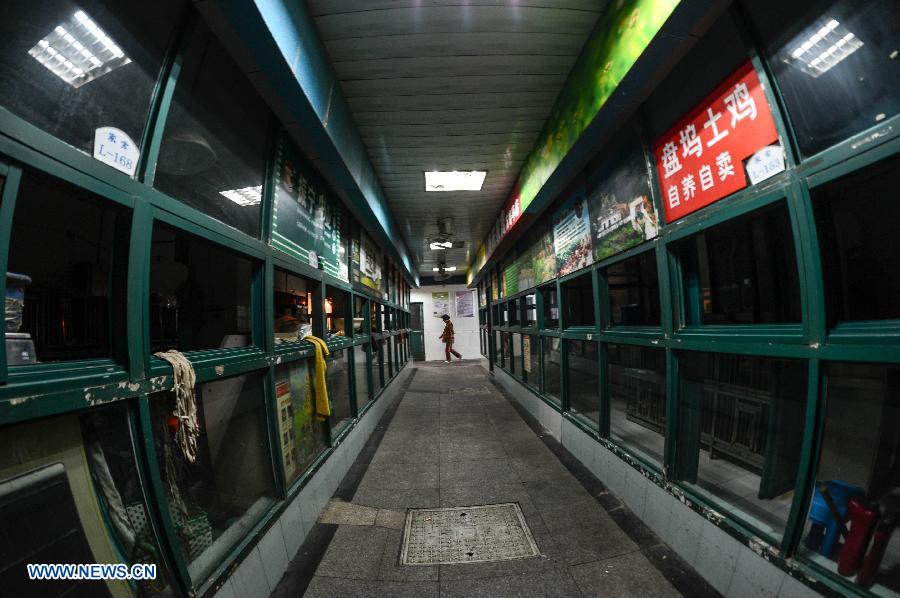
454, 439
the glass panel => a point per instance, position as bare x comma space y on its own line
506, 351
218, 499
860, 261
292, 298
303, 436
637, 398
551, 309
821, 51
516, 351
859, 468
584, 381
415, 322
66, 275
745, 415
578, 301
530, 320
361, 374
375, 319
498, 349
743, 271
514, 312
552, 359
62, 76
199, 293
214, 146
634, 291
336, 305
109, 448
378, 366
389, 359
337, 377
71, 493
531, 355
359, 315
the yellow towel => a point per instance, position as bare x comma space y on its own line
323, 408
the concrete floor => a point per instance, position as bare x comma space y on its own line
454, 439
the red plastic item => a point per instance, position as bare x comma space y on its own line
862, 521
173, 423
873, 560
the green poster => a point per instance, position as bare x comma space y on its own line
525, 267
544, 262
620, 37
511, 279
307, 222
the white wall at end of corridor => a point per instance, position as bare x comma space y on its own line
465, 328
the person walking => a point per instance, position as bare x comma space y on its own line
447, 337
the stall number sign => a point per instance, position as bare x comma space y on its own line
115, 147
701, 159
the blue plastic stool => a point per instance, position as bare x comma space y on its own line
821, 514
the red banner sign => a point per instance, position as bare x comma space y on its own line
702, 158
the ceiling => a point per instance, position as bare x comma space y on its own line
451, 85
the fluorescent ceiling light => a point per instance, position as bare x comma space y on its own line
78, 51
435, 245
825, 48
457, 180
248, 196
447, 269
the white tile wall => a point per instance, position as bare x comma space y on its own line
274, 555
249, 579
727, 564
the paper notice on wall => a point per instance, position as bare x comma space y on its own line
115, 148
440, 304
465, 305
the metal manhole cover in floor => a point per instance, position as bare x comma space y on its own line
466, 535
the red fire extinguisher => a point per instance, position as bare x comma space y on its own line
862, 521
891, 513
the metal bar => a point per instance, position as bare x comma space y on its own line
162, 99
813, 434
671, 430
137, 329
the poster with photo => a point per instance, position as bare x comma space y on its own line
370, 263
465, 305
572, 235
621, 211
440, 304
544, 261
525, 265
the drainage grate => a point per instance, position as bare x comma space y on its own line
466, 535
